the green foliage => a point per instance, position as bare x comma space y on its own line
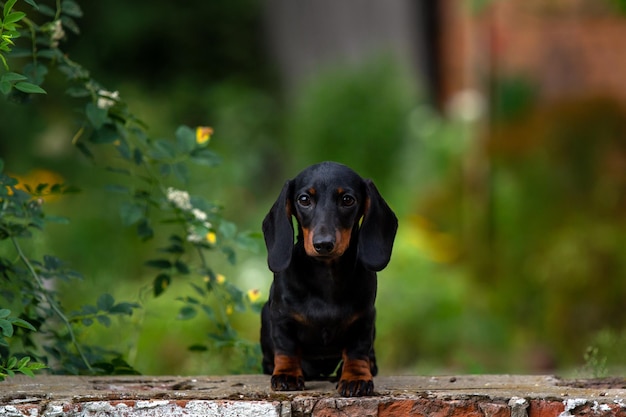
9, 32
619, 5
29, 288
595, 365
150, 171
355, 116
11, 365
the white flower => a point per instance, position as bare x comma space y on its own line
57, 33
107, 99
194, 238
179, 198
199, 214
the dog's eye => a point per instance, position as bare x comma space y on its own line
347, 200
304, 200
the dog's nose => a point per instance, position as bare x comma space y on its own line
323, 246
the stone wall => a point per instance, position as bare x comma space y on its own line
249, 395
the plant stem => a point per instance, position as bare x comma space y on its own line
52, 302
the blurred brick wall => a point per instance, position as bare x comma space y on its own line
566, 47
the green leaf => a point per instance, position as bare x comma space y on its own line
8, 6
12, 77
106, 134
24, 324
14, 17
231, 256
144, 229
162, 150
248, 241
96, 116
186, 313
228, 229
37, 365
137, 156
116, 188
46, 10
84, 150
32, 3
131, 213
181, 172
104, 320
161, 282
88, 310
5, 87
23, 362
70, 24
36, 72
4, 313
3, 59
185, 139
198, 348
71, 8
189, 300
203, 156
52, 263
40, 188
12, 362
159, 263
105, 302
29, 88
209, 312
124, 308
182, 267
165, 170
77, 92
123, 148
6, 327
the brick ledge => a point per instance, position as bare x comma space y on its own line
466, 395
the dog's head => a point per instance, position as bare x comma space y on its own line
332, 205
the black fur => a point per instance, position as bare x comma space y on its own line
320, 311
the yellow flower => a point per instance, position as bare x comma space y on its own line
39, 176
254, 295
220, 278
203, 134
229, 309
211, 237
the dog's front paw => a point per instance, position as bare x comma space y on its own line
287, 382
355, 387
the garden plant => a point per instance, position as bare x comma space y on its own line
37, 331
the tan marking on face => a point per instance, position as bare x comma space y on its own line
308, 242
342, 241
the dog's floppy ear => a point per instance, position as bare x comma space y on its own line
278, 231
377, 230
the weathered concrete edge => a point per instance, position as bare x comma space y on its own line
484, 395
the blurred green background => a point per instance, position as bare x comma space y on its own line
511, 251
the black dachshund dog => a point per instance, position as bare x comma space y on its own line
319, 318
